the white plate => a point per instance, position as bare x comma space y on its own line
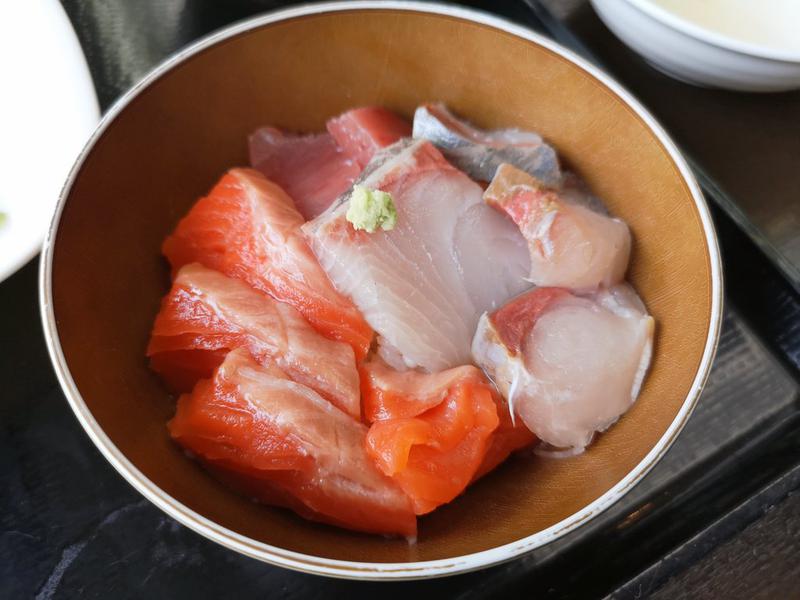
48, 109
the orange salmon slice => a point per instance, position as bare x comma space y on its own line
282, 443
435, 433
207, 314
248, 228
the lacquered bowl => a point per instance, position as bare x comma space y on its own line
167, 141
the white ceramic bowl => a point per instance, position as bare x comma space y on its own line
692, 53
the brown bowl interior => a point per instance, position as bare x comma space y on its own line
170, 144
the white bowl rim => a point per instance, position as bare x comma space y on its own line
354, 569
712, 37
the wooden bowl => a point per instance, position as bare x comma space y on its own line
169, 139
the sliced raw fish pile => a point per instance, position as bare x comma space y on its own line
312, 169
209, 313
423, 285
316, 169
571, 245
479, 153
282, 443
361, 132
248, 228
431, 432
329, 307
568, 365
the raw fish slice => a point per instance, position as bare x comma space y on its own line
312, 169
480, 153
207, 311
509, 437
492, 257
181, 369
391, 394
282, 443
247, 228
423, 285
363, 131
569, 366
570, 245
434, 440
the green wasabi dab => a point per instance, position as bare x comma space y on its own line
371, 209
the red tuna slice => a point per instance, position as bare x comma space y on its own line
247, 228
207, 312
435, 430
363, 131
281, 443
312, 169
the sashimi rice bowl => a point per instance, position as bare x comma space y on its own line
347, 301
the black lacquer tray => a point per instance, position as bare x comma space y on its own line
701, 524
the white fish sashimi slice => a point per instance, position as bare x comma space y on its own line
569, 366
478, 153
571, 245
423, 285
503, 265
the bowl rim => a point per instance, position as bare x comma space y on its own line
715, 38
356, 569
